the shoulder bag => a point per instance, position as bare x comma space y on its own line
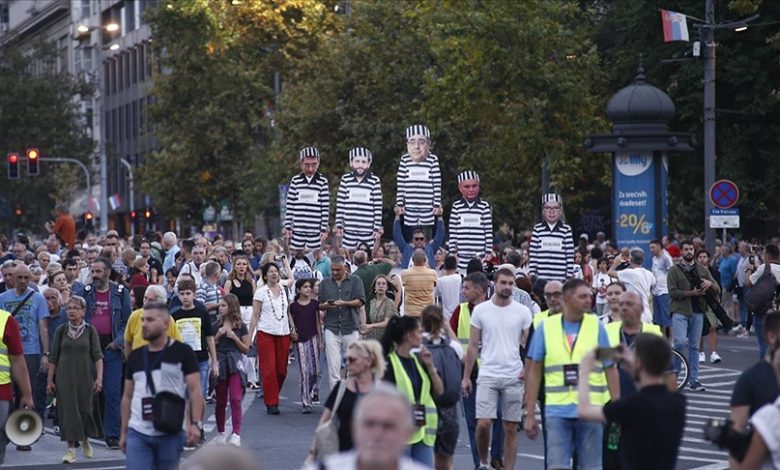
326, 437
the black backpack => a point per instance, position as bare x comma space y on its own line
450, 370
760, 298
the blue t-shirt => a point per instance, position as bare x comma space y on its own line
538, 352
54, 322
27, 317
727, 270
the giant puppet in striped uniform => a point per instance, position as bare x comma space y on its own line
308, 204
471, 222
552, 244
359, 202
419, 180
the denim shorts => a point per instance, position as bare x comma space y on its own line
568, 435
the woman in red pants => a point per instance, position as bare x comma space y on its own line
271, 317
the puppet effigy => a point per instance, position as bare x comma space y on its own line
552, 245
419, 180
308, 203
359, 202
471, 222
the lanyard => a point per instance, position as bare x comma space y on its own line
148, 369
566, 339
624, 340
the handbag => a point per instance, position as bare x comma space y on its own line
326, 437
168, 407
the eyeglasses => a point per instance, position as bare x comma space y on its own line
552, 295
552, 209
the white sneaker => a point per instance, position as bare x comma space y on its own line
221, 438
715, 357
235, 440
702, 358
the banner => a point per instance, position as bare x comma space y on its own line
639, 205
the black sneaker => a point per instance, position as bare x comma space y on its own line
112, 443
272, 410
24, 448
189, 445
696, 386
497, 463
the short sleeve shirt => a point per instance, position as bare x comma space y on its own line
27, 317
13, 341
194, 327
501, 328
766, 423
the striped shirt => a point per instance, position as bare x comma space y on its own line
471, 230
551, 252
359, 203
308, 203
419, 189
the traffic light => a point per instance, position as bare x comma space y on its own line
88, 216
133, 214
13, 166
32, 161
18, 211
148, 214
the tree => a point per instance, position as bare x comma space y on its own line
213, 105
38, 109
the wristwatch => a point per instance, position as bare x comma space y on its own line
199, 425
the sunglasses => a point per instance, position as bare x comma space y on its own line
419, 239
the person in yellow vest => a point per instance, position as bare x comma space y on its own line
415, 376
558, 346
501, 326
12, 364
475, 288
133, 337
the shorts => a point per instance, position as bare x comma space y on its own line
447, 432
661, 315
508, 389
351, 240
305, 241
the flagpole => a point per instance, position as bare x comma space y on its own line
708, 35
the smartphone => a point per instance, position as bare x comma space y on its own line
607, 354
751, 259
279, 258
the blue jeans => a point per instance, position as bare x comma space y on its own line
205, 370
421, 453
112, 391
743, 310
661, 310
758, 327
153, 452
497, 440
686, 331
569, 435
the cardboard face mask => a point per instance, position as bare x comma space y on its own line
419, 147
469, 189
310, 165
360, 165
552, 212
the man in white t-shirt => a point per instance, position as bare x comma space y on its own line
501, 326
636, 278
662, 263
447, 291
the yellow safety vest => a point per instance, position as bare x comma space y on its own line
613, 331
464, 327
542, 316
559, 355
5, 359
427, 433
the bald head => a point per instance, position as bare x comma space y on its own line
360, 258
22, 277
419, 258
630, 308
553, 294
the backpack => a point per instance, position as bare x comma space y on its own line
761, 296
450, 370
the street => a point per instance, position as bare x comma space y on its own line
281, 442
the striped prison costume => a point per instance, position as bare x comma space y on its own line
308, 203
359, 209
471, 230
551, 252
419, 189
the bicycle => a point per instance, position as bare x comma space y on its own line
682, 369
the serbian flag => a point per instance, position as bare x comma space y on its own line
675, 26
115, 201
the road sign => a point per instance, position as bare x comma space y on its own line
724, 194
724, 218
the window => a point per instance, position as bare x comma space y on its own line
141, 64
126, 67
83, 56
142, 116
128, 122
135, 119
62, 58
107, 128
107, 77
4, 17
86, 12
148, 59
117, 60
133, 65
115, 130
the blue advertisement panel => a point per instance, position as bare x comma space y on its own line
634, 201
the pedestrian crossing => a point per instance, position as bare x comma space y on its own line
696, 453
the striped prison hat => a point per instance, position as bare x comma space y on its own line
309, 152
552, 197
417, 129
467, 175
361, 152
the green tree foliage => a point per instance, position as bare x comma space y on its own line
37, 109
748, 117
212, 110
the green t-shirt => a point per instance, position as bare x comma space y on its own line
367, 273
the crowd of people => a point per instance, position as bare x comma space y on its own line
126, 339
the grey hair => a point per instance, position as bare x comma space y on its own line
52, 289
383, 393
211, 268
78, 300
636, 255
169, 237
159, 292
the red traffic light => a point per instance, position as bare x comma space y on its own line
13, 158
18, 212
133, 214
13, 166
